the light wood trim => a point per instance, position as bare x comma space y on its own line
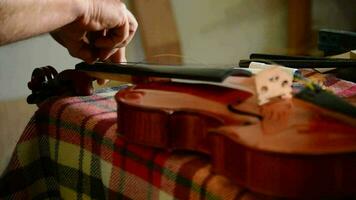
158, 30
299, 26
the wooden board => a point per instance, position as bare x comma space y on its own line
158, 30
299, 27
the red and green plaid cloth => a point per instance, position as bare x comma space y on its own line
71, 150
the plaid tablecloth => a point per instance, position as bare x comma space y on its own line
71, 150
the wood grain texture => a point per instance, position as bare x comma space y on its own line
284, 175
299, 26
158, 30
295, 149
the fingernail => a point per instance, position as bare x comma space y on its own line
112, 52
102, 81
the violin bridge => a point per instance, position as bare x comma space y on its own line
273, 83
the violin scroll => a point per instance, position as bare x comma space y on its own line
47, 82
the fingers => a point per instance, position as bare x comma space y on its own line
104, 54
132, 22
103, 42
114, 37
111, 44
119, 36
119, 56
114, 55
133, 25
83, 51
102, 81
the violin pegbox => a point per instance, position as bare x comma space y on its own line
273, 83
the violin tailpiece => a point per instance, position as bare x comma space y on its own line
327, 100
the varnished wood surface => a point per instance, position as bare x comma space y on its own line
285, 175
295, 151
299, 27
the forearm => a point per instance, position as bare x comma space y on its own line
20, 19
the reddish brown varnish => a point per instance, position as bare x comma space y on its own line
298, 150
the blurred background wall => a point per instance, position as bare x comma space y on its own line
211, 32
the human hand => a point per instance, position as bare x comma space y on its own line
102, 32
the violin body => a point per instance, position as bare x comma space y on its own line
285, 148
172, 116
296, 150
296, 157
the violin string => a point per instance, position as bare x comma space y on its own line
191, 60
185, 59
188, 59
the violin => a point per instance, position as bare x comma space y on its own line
289, 147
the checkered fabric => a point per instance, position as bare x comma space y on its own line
71, 150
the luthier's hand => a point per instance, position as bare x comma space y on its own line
89, 29
103, 31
